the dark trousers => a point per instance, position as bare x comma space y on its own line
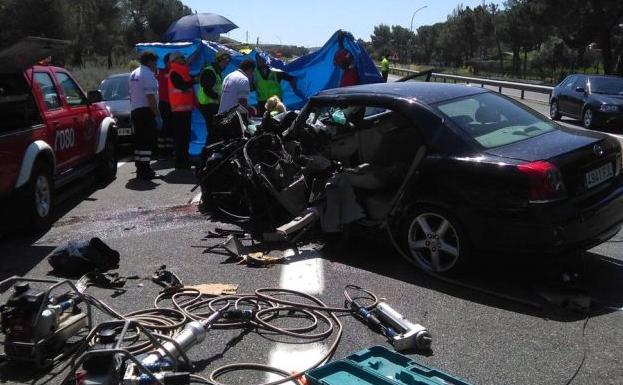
385, 75
144, 123
261, 107
166, 139
180, 121
209, 111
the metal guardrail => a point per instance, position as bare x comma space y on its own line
523, 87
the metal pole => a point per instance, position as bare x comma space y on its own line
414, 13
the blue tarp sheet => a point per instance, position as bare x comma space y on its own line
313, 72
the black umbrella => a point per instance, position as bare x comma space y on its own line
198, 26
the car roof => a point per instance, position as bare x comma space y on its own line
596, 76
604, 76
424, 92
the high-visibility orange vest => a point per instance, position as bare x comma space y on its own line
181, 100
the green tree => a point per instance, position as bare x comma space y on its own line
381, 40
426, 39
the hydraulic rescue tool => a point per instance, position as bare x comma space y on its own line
106, 362
37, 324
402, 334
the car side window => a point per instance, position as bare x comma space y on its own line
73, 94
579, 82
569, 82
17, 105
50, 94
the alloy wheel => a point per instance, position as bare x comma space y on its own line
588, 118
43, 196
553, 110
434, 242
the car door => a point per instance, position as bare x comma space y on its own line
56, 116
565, 93
81, 132
577, 96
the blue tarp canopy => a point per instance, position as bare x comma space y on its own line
313, 72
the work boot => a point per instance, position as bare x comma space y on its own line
183, 165
146, 173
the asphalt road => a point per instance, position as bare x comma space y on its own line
523, 338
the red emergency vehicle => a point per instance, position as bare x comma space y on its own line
51, 133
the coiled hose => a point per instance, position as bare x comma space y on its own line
265, 304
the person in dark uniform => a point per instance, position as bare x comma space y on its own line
166, 141
145, 114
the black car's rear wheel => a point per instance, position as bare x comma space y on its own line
434, 241
554, 113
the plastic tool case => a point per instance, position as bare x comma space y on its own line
379, 366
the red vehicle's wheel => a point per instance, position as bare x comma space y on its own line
38, 197
107, 169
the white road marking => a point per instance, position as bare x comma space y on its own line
305, 275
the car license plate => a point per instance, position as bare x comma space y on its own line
124, 131
599, 175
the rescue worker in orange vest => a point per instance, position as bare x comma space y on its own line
267, 83
182, 100
210, 91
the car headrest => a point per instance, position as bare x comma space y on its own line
486, 114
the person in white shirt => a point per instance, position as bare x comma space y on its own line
237, 87
144, 113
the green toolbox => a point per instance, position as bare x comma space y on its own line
379, 366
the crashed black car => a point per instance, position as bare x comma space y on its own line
446, 170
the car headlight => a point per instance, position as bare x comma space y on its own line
609, 108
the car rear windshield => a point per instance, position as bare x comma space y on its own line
116, 88
609, 86
494, 121
17, 105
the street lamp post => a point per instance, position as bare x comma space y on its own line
414, 13
413, 17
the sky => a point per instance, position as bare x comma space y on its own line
311, 23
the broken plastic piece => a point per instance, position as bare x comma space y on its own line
308, 217
261, 259
234, 246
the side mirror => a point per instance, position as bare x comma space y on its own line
580, 89
95, 96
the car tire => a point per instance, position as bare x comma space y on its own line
37, 199
106, 171
434, 241
554, 112
588, 119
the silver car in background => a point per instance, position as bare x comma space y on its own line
115, 91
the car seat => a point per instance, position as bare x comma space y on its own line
379, 205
